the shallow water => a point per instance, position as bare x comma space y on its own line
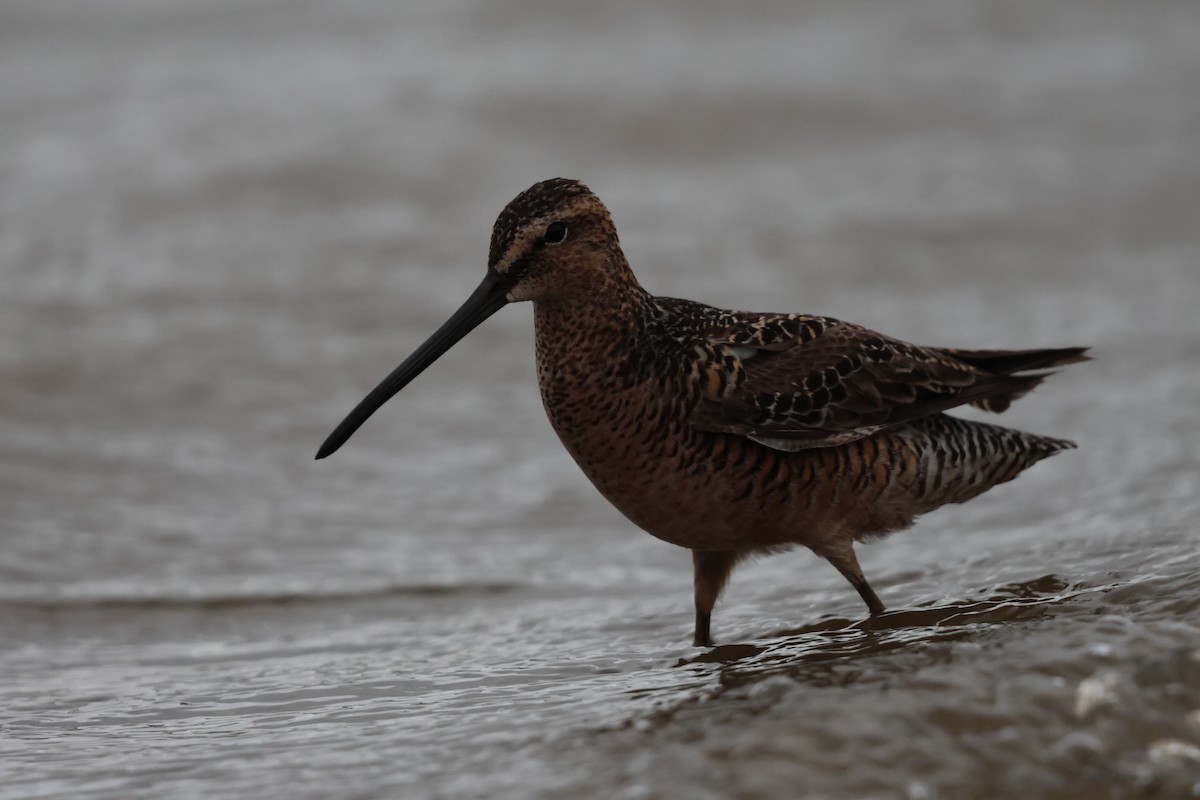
221, 223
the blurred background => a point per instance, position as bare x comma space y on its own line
222, 222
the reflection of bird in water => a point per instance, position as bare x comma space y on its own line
729, 432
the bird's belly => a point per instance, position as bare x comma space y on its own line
698, 490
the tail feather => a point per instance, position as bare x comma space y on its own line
1014, 388
1005, 362
1008, 362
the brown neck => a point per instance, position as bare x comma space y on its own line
583, 336
607, 287
607, 310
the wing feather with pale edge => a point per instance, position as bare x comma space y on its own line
796, 382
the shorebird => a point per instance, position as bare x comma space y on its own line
731, 433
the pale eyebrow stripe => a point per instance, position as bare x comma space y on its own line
520, 242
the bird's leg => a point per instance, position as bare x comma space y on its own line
847, 563
874, 604
712, 570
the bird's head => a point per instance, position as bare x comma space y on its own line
554, 241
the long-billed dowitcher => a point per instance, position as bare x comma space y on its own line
728, 432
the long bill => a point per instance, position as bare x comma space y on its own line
483, 302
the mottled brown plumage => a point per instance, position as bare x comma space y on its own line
729, 432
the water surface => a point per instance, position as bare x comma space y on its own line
221, 223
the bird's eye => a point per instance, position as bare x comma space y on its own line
556, 232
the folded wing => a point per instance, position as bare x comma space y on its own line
795, 382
